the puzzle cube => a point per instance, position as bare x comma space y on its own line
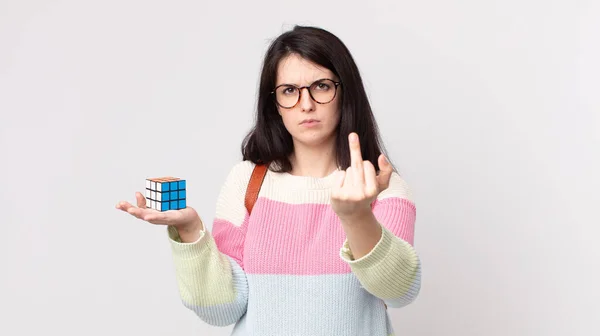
165, 193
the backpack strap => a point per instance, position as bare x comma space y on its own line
258, 175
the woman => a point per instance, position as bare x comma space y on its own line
327, 246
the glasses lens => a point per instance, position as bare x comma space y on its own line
323, 91
287, 95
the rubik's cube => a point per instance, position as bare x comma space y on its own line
165, 193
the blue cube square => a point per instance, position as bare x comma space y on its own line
163, 196
163, 186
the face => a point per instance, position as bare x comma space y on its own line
309, 123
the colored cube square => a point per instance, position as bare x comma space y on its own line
165, 193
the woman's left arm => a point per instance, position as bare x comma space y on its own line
378, 214
379, 246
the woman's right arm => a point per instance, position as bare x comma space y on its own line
209, 266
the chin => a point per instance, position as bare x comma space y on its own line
315, 138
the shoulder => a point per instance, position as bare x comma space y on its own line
240, 173
398, 189
241, 170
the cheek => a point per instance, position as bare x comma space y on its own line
287, 121
334, 114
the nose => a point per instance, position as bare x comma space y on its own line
306, 103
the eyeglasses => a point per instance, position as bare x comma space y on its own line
321, 91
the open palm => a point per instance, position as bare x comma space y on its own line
177, 218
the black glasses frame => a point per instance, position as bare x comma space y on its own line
307, 87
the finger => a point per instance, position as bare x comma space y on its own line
371, 185
139, 212
349, 177
135, 211
141, 200
338, 184
156, 217
385, 173
356, 159
123, 205
339, 179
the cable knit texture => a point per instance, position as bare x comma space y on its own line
288, 270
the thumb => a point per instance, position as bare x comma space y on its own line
385, 172
141, 200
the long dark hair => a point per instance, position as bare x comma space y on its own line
269, 141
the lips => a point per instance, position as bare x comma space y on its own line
309, 121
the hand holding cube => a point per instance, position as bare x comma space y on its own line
164, 203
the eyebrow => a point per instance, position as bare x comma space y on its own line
314, 80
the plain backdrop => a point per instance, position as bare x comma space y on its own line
490, 110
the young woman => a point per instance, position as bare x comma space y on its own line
327, 247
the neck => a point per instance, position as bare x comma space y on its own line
315, 161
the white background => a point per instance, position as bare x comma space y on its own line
490, 110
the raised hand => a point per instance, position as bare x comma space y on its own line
358, 186
185, 220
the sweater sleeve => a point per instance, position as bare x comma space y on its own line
391, 271
209, 272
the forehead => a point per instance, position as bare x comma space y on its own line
294, 69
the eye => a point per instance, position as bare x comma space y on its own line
288, 90
322, 86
